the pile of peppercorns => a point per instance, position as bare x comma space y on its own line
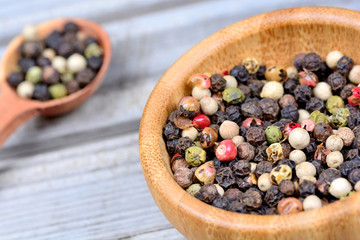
286, 144
59, 65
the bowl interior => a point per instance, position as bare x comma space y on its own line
272, 38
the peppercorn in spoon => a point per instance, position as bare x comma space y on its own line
16, 110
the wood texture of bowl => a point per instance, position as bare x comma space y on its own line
272, 38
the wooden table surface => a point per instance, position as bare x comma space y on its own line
78, 176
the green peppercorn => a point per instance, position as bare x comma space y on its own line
34, 75
273, 134
340, 117
334, 102
93, 50
233, 95
193, 189
318, 117
195, 156
57, 91
67, 77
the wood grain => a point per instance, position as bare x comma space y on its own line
274, 37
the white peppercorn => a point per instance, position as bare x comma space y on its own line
30, 33
339, 187
190, 132
305, 169
292, 72
308, 178
253, 166
264, 182
322, 90
59, 63
354, 75
208, 105
49, 53
332, 58
299, 138
25, 89
334, 143
237, 140
357, 186
297, 156
347, 135
220, 190
303, 115
76, 63
312, 202
334, 159
272, 89
229, 129
230, 81
199, 93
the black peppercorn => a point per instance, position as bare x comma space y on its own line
255, 136
246, 90
50, 75
71, 27
346, 167
65, 49
238, 207
43, 61
233, 194
217, 82
84, 77
233, 112
346, 91
329, 175
183, 144
208, 193
318, 166
95, 63
225, 177
352, 154
219, 117
270, 108
323, 72
273, 196
41, 92
31, 49
282, 123
240, 73
251, 199
344, 65
263, 167
243, 184
311, 62
287, 187
54, 40
286, 148
255, 87
260, 74
322, 187
302, 93
336, 81
15, 78
298, 61
322, 131
242, 168
315, 104
306, 188
90, 40
290, 112
290, 85
354, 176
311, 148
251, 109
171, 145
72, 86
287, 162
25, 64
221, 203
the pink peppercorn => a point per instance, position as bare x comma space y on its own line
308, 125
308, 78
289, 127
252, 121
226, 151
201, 121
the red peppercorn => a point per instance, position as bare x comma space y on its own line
289, 127
201, 121
248, 122
308, 78
200, 80
226, 151
308, 125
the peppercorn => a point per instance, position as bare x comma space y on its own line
25, 64
171, 131
270, 108
95, 63
238, 140
334, 159
72, 86
15, 78
285, 123
322, 131
260, 74
233, 113
30, 33
251, 64
240, 73
255, 87
71, 27
273, 196
332, 58
229, 129
226, 151
245, 151
208, 137
315, 104
339, 187
238, 207
336, 81
308, 78
31, 49
264, 182
76, 63
225, 177
344, 65
222, 203
322, 91
298, 61
306, 188
289, 205
292, 72
290, 85
179, 163
340, 117
208, 193
297, 156
302, 93
233, 194
290, 112
287, 187
241, 168
251, 199
275, 73
84, 77
34, 75
255, 136
183, 177
311, 148
272, 89
43, 61
346, 92
354, 75
286, 100
171, 145
194, 155
305, 169
263, 167
354, 176
25, 89
59, 63
273, 134
183, 144
329, 175
311, 62
57, 91
245, 89
244, 183
260, 153
352, 154
206, 172
251, 109
280, 173
299, 138
93, 50
208, 105
50, 75
41, 92
193, 189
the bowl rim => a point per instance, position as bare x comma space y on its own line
151, 144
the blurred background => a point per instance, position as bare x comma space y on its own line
78, 176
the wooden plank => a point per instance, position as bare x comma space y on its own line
91, 191
168, 234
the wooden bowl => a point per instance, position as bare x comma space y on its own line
15, 110
272, 38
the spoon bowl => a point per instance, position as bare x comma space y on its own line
16, 110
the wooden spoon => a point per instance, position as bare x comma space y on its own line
15, 110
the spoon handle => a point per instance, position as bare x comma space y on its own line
13, 112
